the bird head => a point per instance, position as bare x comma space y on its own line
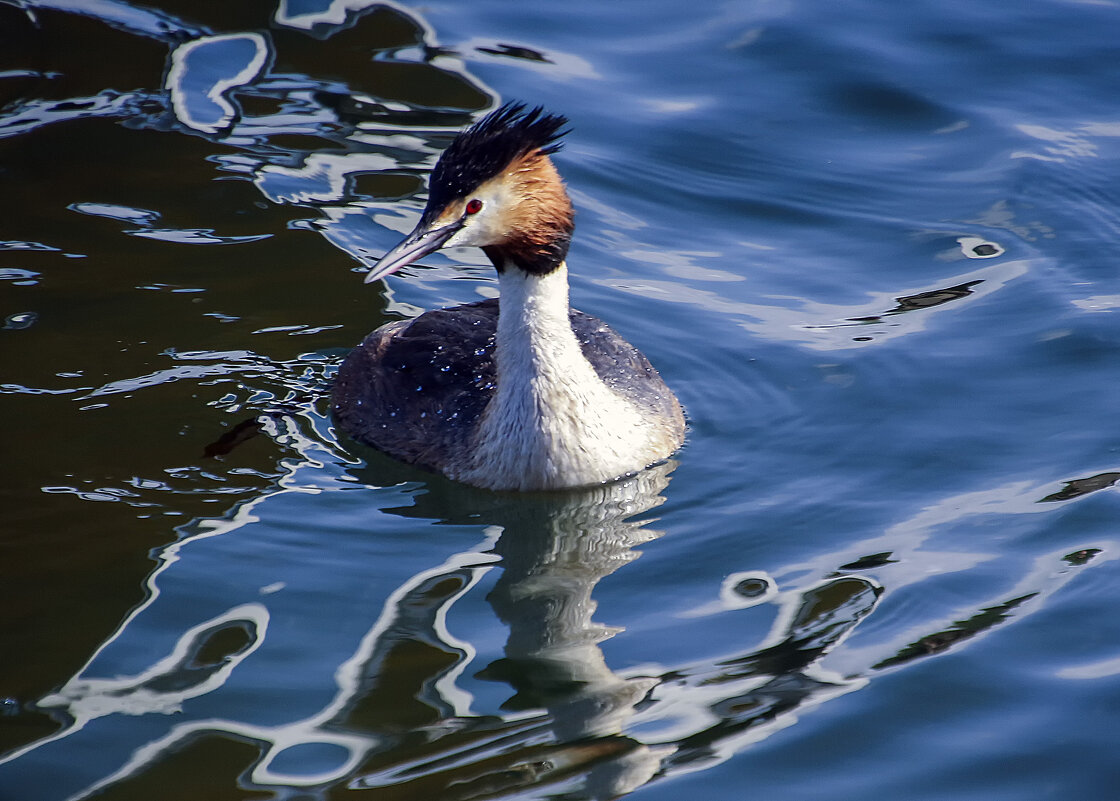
496, 188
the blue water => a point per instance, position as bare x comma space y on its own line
869, 245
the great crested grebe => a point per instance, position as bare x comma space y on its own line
516, 393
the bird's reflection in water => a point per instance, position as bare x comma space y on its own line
553, 660
553, 548
570, 717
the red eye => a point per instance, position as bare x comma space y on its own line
474, 206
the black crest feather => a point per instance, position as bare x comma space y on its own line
486, 148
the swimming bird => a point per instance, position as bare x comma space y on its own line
519, 392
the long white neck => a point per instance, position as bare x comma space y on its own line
552, 422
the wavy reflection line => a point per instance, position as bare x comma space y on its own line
321, 728
338, 14
713, 709
186, 372
28, 115
167, 557
317, 729
189, 94
161, 688
321, 178
194, 236
124, 16
1029, 595
911, 564
350, 675
150, 753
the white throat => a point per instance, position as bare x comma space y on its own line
551, 422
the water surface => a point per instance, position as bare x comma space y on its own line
870, 246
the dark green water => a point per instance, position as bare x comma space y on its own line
870, 245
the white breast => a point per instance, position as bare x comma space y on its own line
552, 422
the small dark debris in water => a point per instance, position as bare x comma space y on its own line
925, 300
243, 431
436, 51
1083, 486
961, 630
870, 561
1078, 558
985, 249
862, 339
738, 708
752, 587
922, 300
515, 51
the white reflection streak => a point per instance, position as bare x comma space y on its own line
32, 114
166, 376
142, 21
168, 556
1063, 144
692, 706
1095, 670
322, 178
1098, 303
683, 709
151, 752
1015, 498
338, 12
216, 92
316, 729
816, 325
88, 699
